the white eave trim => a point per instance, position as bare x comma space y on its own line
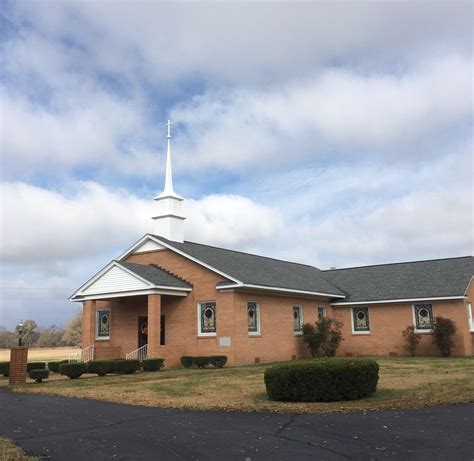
182, 253
279, 289
156, 290
386, 301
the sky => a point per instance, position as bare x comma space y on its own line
328, 133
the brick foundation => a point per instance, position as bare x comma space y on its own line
18, 361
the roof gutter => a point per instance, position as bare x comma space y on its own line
385, 301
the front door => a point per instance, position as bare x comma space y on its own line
142, 330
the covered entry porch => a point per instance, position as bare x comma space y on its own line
126, 310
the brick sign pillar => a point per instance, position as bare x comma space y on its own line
18, 360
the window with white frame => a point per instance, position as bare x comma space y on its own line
253, 317
470, 320
321, 312
102, 324
360, 320
298, 318
423, 314
207, 318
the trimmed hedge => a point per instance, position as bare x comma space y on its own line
127, 366
187, 361
153, 364
322, 380
102, 367
5, 369
73, 370
201, 361
54, 366
35, 366
39, 374
218, 361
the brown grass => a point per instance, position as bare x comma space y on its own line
404, 383
42, 354
10, 452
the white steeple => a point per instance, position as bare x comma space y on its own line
169, 222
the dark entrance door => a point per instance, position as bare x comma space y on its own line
142, 330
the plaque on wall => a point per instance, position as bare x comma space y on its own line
224, 341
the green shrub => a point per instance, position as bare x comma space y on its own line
152, 364
322, 380
102, 367
187, 361
39, 374
443, 332
54, 366
35, 366
73, 370
127, 366
412, 339
5, 369
218, 361
201, 361
325, 335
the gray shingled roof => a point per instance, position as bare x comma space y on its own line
258, 270
155, 275
420, 279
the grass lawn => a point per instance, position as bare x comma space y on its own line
404, 383
43, 354
10, 452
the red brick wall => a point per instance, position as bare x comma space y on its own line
18, 361
387, 321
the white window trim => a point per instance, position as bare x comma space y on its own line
426, 330
200, 333
254, 333
299, 332
359, 332
470, 320
324, 311
102, 338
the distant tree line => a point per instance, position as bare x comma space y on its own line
34, 336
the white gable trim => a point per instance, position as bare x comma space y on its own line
144, 287
149, 245
468, 285
408, 300
133, 248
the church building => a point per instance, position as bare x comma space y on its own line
168, 297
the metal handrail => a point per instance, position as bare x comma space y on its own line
138, 354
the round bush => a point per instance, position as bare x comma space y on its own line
5, 369
54, 366
103, 367
218, 361
187, 361
35, 366
73, 370
38, 375
201, 361
152, 364
322, 380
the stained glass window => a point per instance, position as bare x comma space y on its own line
423, 316
361, 319
321, 312
103, 324
253, 317
297, 318
207, 318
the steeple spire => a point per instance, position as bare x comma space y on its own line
169, 220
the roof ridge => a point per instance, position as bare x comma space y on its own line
397, 263
251, 254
